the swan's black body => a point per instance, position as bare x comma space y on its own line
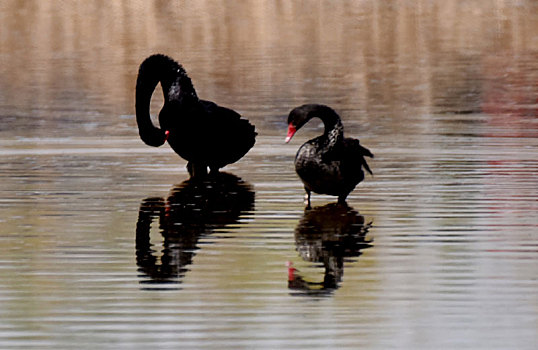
201, 132
328, 164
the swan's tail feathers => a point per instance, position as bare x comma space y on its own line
249, 133
365, 166
365, 152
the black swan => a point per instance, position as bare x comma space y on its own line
328, 164
193, 211
329, 236
201, 132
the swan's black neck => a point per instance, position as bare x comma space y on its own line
334, 130
176, 86
174, 80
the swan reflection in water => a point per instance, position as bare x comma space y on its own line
329, 235
193, 210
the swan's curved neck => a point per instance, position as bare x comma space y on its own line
150, 134
334, 130
176, 85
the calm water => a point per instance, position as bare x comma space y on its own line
105, 244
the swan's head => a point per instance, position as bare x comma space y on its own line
296, 119
299, 116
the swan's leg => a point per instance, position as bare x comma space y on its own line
197, 170
190, 169
307, 198
213, 170
342, 199
200, 170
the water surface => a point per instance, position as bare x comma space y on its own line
107, 244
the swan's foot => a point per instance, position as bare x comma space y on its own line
307, 199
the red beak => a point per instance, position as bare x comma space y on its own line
166, 135
291, 132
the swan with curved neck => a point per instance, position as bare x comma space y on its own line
328, 164
202, 132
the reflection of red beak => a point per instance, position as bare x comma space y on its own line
166, 135
291, 132
291, 271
